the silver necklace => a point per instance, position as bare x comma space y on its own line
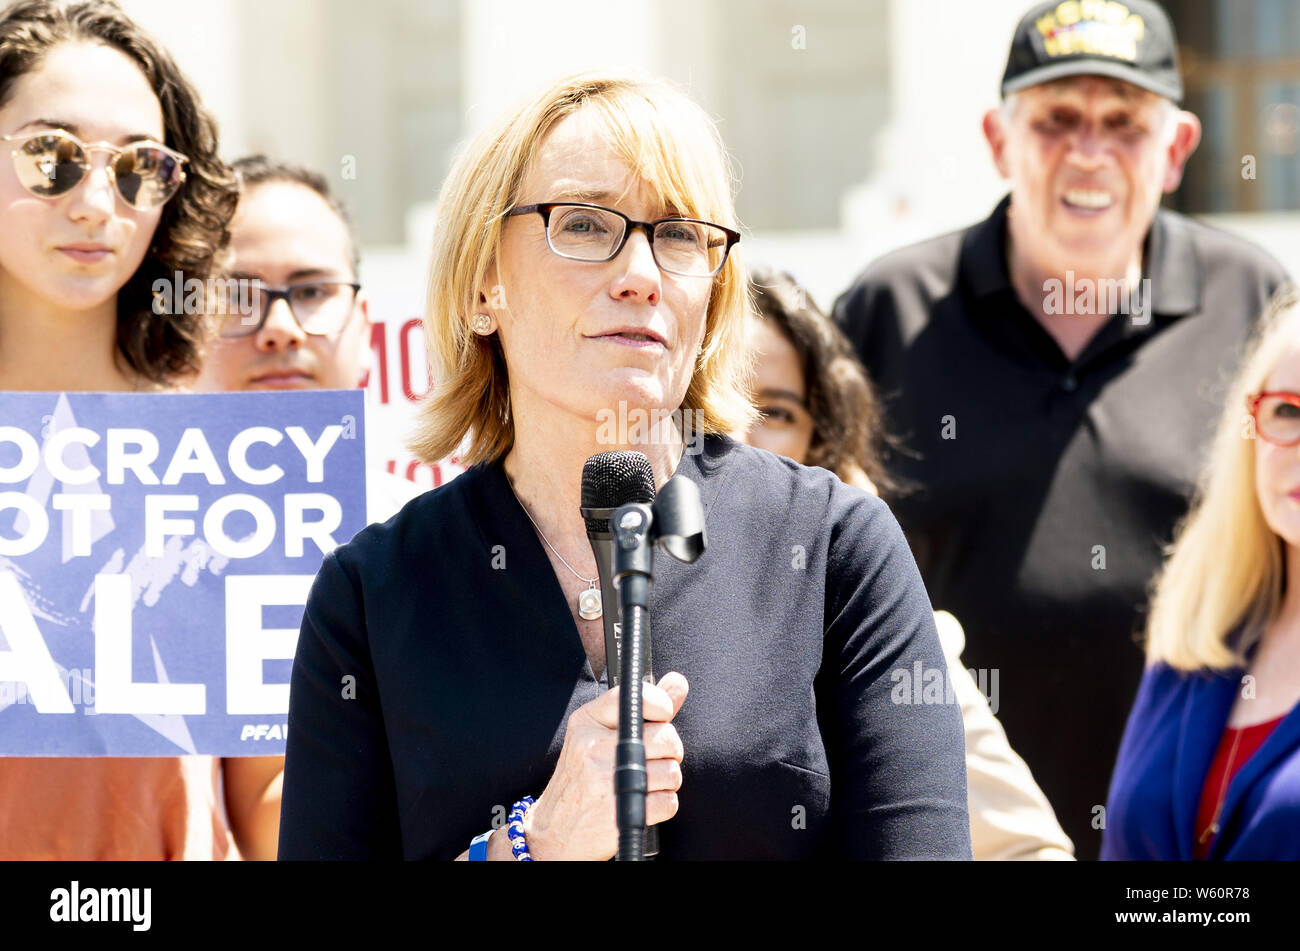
589, 602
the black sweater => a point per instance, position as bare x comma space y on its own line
438, 664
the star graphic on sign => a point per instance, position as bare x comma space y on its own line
170, 726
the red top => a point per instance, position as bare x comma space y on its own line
1237, 745
88, 808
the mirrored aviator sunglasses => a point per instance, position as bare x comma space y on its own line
50, 164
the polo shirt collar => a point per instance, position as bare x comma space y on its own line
1169, 261
983, 254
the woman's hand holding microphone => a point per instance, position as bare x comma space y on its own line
574, 818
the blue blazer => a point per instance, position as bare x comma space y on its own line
1173, 731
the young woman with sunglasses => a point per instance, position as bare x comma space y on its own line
109, 180
1209, 767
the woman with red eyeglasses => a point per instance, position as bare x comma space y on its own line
109, 181
1209, 767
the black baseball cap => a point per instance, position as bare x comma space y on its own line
1132, 41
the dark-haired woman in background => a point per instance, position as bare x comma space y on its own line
109, 180
820, 409
817, 406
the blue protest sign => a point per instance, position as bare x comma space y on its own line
155, 555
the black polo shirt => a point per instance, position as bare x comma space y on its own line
1038, 492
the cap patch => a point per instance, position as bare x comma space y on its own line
1091, 28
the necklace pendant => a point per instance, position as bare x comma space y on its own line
589, 606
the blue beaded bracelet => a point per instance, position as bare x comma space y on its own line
518, 844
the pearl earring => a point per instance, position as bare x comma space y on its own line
481, 324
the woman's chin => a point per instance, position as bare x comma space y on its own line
636, 391
1290, 535
85, 294
1284, 520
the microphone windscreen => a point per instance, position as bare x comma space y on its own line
611, 479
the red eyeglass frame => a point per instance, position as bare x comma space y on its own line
1252, 403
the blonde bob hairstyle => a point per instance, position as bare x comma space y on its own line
1226, 571
666, 140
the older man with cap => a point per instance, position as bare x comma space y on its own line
1051, 374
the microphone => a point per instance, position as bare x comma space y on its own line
625, 523
610, 480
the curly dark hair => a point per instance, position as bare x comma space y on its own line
848, 428
193, 232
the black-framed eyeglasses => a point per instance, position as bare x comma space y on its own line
51, 163
320, 308
585, 232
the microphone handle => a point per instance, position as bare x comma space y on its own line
651, 847
602, 545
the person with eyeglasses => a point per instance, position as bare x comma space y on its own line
585, 266
109, 181
1051, 373
1209, 767
294, 316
